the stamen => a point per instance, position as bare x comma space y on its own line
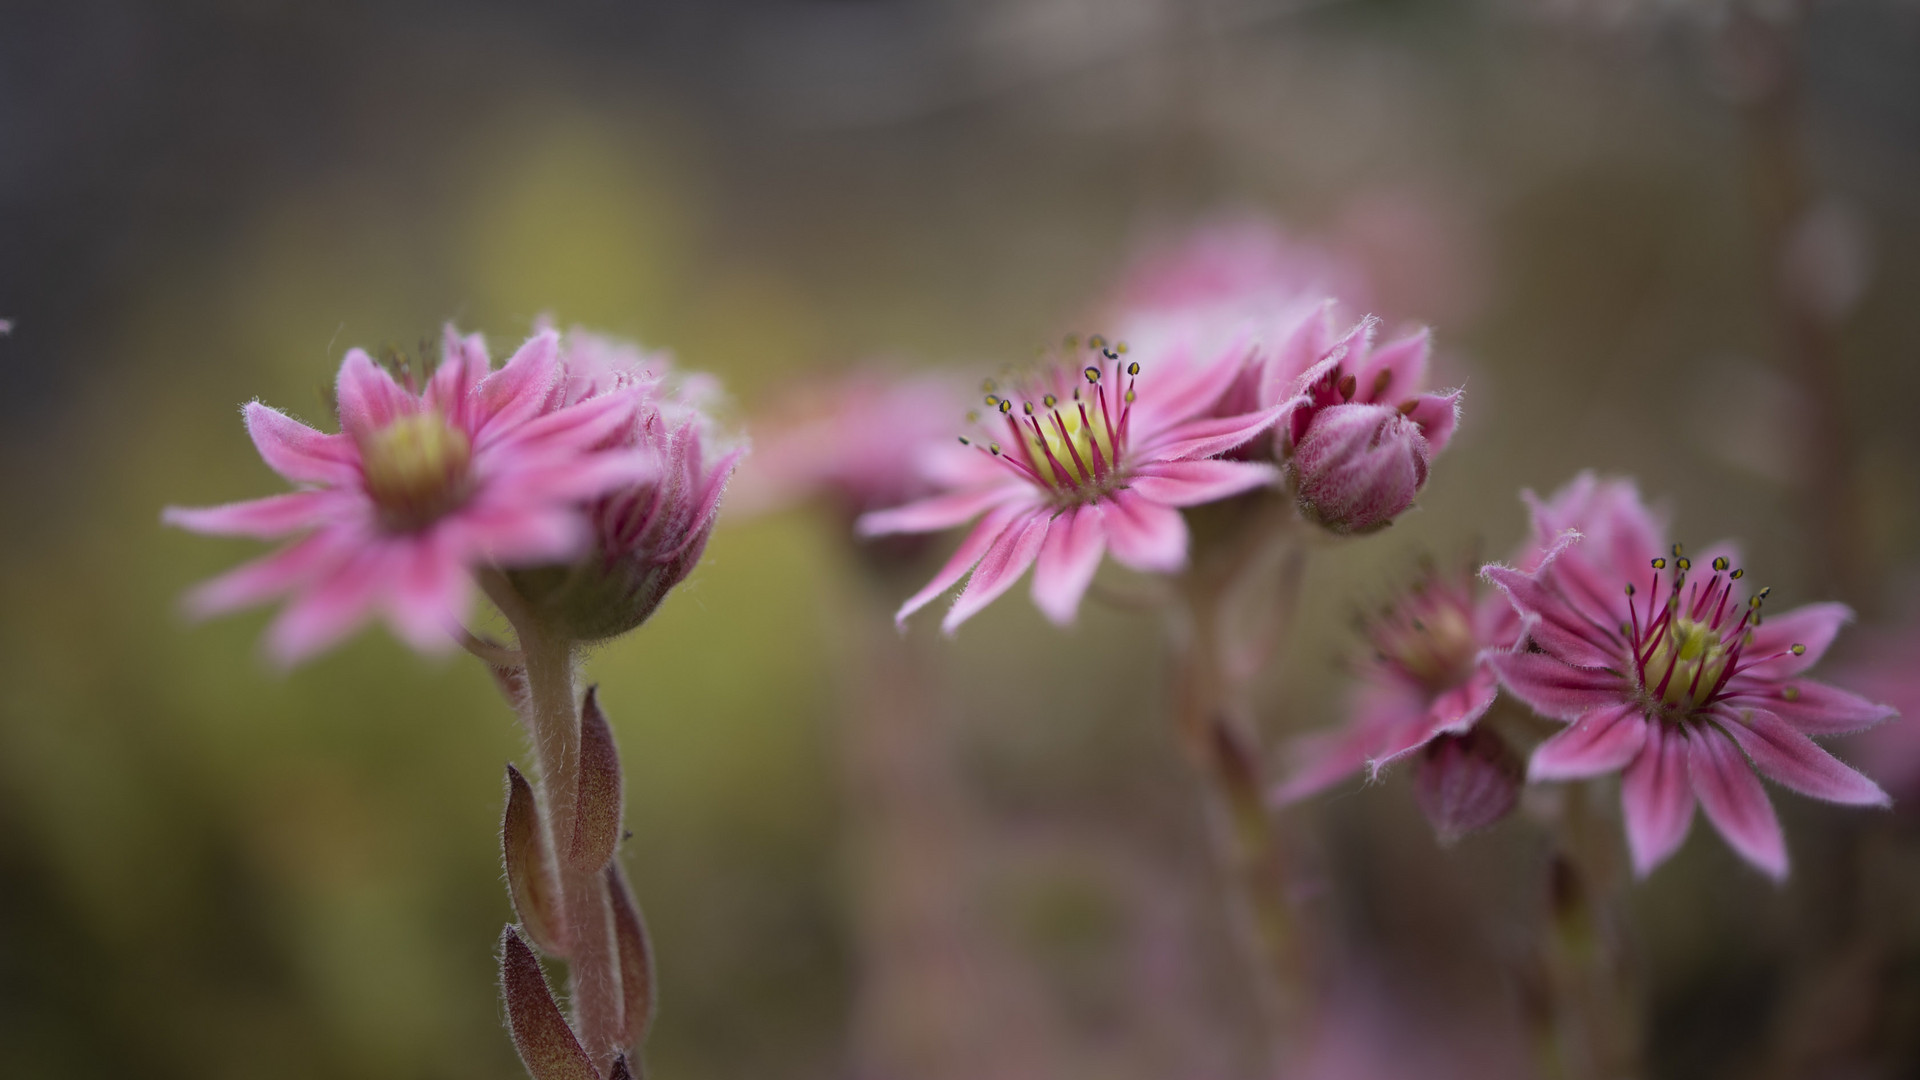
1347, 386
1380, 383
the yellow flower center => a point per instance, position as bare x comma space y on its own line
1697, 655
416, 469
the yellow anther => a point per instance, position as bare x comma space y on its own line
1797, 649
1027, 407
1049, 401
1380, 383
1659, 564
1092, 374
1006, 406
989, 386
1684, 563
1721, 563
1738, 574
1133, 368
1791, 693
1120, 347
1096, 342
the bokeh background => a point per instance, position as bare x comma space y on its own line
209, 869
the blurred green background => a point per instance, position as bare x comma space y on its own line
209, 869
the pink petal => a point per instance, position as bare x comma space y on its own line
1196, 387
516, 536
1735, 802
1437, 416
265, 578
1452, 712
332, 607
1809, 707
1144, 535
517, 392
265, 519
300, 453
1600, 742
999, 520
1794, 760
941, 511
572, 478
463, 363
427, 604
999, 568
1190, 483
367, 396
1403, 361
1206, 438
1657, 798
1323, 760
1812, 625
1067, 562
573, 428
1559, 626
1554, 689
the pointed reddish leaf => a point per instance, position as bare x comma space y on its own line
620, 1070
523, 847
596, 826
636, 958
546, 1044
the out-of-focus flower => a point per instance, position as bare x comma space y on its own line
1885, 670
863, 442
1427, 678
647, 535
1090, 456
421, 487
1679, 690
1361, 430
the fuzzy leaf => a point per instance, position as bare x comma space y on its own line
523, 845
620, 1070
636, 958
596, 826
546, 1044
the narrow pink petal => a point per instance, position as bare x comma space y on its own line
1794, 760
265, 519
427, 605
1600, 742
1559, 626
1735, 802
1452, 712
518, 391
367, 396
1322, 760
1554, 689
1145, 535
574, 427
1809, 707
1190, 483
1657, 798
1403, 361
463, 363
1203, 383
1209, 437
265, 578
1067, 562
513, 536
999, 520
298, 452
941, 511
999, 568
327, 610
570, 478
1437, 415
1812, 625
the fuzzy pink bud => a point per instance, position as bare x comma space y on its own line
1466, 782
1357, 467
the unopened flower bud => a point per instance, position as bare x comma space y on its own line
547, 1046
1466, 782
647, 537
1361, 432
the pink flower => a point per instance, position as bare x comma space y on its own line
1360, 431
420, 487
1086, 460
1243, 262
1884, 670
1686, 691
1427, 680
647, 534
863, 442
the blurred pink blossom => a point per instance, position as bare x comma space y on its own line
1097, 456
862, 442
1887, 668
420, 487
1682, 690
1360, 431
1427, 677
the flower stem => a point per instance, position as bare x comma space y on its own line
1589, 1026
593, 967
